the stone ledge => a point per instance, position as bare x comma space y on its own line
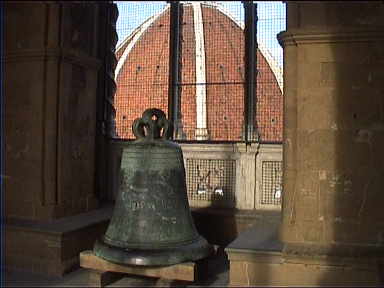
257, 259
229, 223
260, 238
53, 247
254, 253
62, 225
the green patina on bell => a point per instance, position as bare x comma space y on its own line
151, 223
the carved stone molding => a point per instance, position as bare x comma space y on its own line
300, 36
65, 54
333, 253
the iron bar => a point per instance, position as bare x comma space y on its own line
192, 84
174, 68
250, 97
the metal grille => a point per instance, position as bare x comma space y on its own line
211, 76
211, 179
142, 52
269, 107
271, 183
211, 83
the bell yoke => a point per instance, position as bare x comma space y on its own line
151, 223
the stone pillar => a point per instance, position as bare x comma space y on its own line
50, 88
54, 89
333, 220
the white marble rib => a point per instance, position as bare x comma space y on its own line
134, 37
201, 92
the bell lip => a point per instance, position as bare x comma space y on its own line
154, 257
148, 246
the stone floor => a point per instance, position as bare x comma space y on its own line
218, 267
79, 278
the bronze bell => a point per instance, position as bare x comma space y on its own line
151, 223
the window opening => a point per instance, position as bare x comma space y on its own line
210, 67
189, 59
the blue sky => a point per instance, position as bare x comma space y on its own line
271, 19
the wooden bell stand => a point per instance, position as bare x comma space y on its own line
103, 272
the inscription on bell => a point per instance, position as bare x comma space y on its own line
155, 205
161, 194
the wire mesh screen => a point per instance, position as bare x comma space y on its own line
142, 52
211, 80
271, 183
269, 110
211, 67
211, 179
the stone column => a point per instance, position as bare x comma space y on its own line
333, 219
54, 95
50, 88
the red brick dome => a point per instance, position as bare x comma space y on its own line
212, 52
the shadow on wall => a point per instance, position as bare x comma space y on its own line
351, 170
333, 160
354, 186
216, 225
219, 228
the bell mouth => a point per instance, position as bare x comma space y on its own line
148, 246
194, 251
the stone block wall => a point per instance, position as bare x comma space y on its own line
237, 168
